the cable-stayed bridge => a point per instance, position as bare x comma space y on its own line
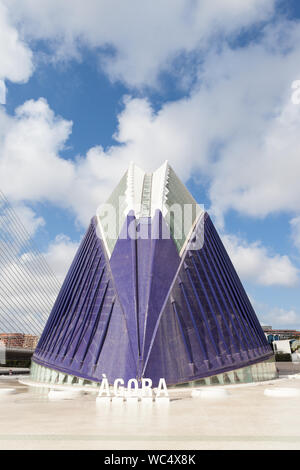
28, 287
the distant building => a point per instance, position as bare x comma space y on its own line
282, 346
19, 340
30, 341
284, 341
287, 346
277, 334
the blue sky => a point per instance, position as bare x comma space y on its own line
86, 87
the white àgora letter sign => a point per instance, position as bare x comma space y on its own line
132, 389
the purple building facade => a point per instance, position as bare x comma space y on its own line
152, 293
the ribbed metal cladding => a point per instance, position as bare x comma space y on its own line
147, 312
136, 306
76, 332
207, 325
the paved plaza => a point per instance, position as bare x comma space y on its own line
245, 418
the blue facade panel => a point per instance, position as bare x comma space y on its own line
147, 312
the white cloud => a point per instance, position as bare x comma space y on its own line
60, 254
252, 176
281, 318
286, 317
28, 218
295, 224
144, 36
2, 92
268, 169
253, 262
30, 158
29, 154
15, 56
238, 129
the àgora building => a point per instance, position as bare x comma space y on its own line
152, 293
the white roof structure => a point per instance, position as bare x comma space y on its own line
143, 194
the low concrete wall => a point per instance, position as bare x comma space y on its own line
14, 371
288, 367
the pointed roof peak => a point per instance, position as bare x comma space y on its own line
132, 165
146, 192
